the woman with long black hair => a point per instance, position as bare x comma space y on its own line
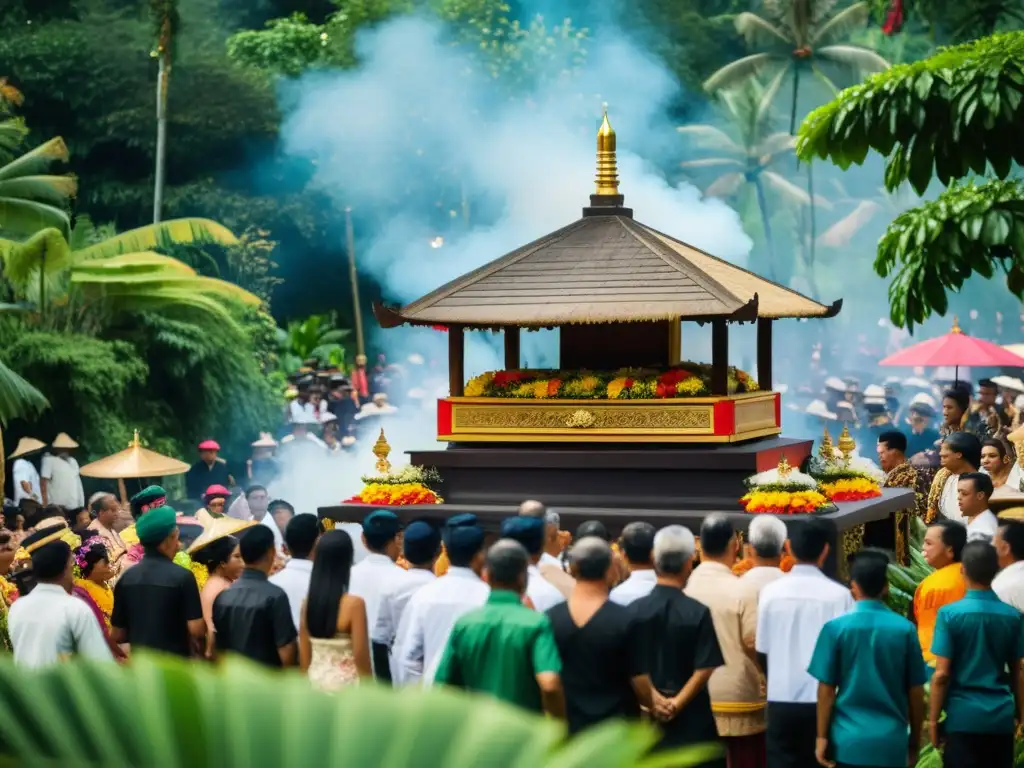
334, 644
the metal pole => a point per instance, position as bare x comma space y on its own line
353, 277
161, 134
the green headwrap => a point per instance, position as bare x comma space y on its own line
156, 525
146, 497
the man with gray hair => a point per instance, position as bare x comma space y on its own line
766, 538
549, 566
504, 648
681, 646
604, 660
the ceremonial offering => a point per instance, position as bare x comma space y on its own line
783, 491
842, 475
387, 488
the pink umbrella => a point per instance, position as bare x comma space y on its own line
955, 349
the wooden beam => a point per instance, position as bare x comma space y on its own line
456, 360
719, 357
512, 346
764, 353
675, 341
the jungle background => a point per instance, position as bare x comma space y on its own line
189, 328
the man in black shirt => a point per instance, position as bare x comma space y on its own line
252, 617
681, 646
156, 602
604, 662
209, 470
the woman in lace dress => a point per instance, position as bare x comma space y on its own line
334, 645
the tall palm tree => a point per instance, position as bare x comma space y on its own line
164, 14
862, 211
797, 38
747, 155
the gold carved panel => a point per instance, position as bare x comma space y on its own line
589, 418
755, 414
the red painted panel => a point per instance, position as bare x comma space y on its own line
795, 455
778, 410
444, 417
725, 417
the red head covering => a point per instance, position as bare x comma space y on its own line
209, 445
216, 492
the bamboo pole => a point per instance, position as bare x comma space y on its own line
353, 276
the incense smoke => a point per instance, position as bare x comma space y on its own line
527, 166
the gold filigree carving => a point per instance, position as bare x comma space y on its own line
695, 418
757, 414
852, 542
580, 420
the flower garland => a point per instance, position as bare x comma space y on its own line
394, 495
684, 380
101, 594
782, 502
744, 565
8, 591
199, 571
852, 489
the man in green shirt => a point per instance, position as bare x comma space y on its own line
978, 647
504, 648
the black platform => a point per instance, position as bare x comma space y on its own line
576, 475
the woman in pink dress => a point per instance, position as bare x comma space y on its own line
93, 573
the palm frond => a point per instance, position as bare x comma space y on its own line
40, 158
155, 235
759, 32
711, 162
18, 398
725, 185
842, 24
54, 190
22, 217
853, 56
12, 133
742, 70
710, 137
46, 249
786, 188
843, 231
334, 335
768, 96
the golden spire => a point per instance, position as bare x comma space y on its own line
136, 442
826, 453
607, 169
846, 444
956, 320
381, 449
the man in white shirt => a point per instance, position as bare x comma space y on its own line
435, 607
973, 492
541, 594
48, 625
1009, 544
301, 536
276, 517
24, 475
766, 537
791, 612
421, 546
377, 573
637, 544
61, 483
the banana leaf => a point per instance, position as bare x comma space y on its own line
160, 712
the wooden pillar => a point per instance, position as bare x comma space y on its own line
512, 339
764, 353
719, 357
675, 337
456, 360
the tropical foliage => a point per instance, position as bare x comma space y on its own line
950, 116
237, 714
314, 338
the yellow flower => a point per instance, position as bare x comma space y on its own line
615, 387
525, 390
690, 386
477, 386
540, 389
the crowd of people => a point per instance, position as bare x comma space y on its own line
776, 662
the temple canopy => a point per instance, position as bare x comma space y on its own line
604, 268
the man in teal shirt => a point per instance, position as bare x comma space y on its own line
504, 648
872, 656
978, 647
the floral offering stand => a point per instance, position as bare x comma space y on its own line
624, 428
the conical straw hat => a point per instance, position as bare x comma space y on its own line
218, 529
134, 461
64, 441
27, 445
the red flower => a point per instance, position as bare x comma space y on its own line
442, 328
553, 387
627, 384
893, 18
503, 379
665, 389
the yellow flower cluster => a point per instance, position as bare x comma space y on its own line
615, 387
852, 489
477, 386
783, 502
690, 386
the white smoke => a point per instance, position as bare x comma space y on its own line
532, 159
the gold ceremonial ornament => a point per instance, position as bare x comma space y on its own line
381, 450
847, 445
607, 171
581, 419
784, 468
826, 451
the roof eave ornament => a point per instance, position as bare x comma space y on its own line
607, 200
